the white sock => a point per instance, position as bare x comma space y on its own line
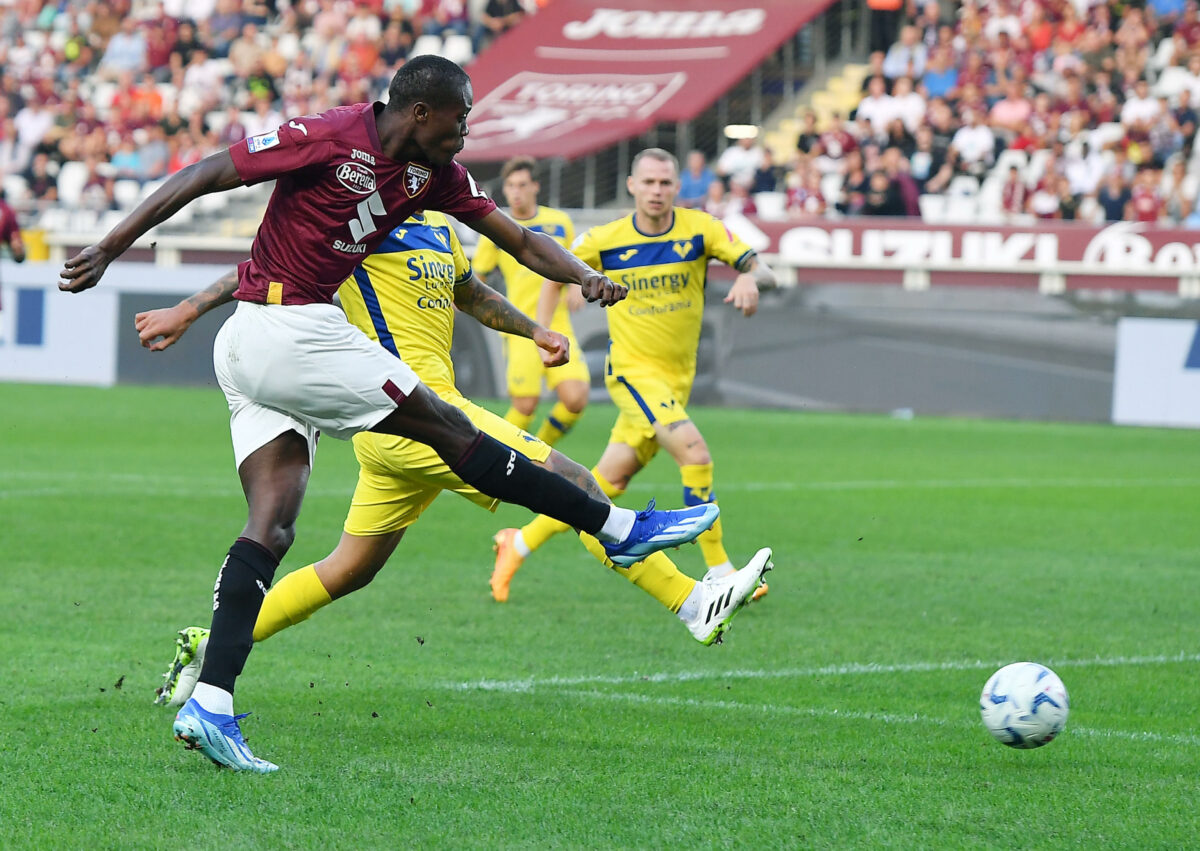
618, 525
691, 606
519, 545
719, 571
213, 699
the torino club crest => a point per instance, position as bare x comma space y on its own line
416, 178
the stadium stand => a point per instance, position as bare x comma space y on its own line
1092, 101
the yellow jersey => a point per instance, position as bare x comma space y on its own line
402, 296
523, 285
657, 326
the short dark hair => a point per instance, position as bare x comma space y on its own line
659, 154
429, 79
516, 164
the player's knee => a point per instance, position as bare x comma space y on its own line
573, 395
525, 405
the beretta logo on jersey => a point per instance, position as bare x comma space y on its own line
356, 177
416, 178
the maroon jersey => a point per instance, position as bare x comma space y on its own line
8, 223
336, 198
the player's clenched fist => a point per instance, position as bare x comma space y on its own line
598, 287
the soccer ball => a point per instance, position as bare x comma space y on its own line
1024, 705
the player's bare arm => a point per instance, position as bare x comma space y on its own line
497, 312
542, 254
162, 328
755, 275
214, 173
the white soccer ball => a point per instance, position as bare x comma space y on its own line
1024, 705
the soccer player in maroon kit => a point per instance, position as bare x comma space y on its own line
291, 365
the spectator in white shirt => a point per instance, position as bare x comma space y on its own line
878, 107
264, 119
909, 105
1140, 110
973, 145
740, 161
1084, 170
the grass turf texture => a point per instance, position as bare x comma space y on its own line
913, 557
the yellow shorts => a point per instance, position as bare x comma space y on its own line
526, 370
398, 478
644, 401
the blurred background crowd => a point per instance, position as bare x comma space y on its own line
1016, 109
100, 98
1010, 110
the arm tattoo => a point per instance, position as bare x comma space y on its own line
492, 309
220, 292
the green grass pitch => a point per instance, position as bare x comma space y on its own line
912, 558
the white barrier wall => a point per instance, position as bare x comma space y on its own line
1157, 378
64, 338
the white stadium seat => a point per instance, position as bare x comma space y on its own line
126, 193
71, 178
831, 188
772, 206
15, 188
963, 185
962, 209
458, 49
933, 208
431, 44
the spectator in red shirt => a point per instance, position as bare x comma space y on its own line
1039, 30
1145, 204
1012, 196
1070, 28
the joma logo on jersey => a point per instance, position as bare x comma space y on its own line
416, 178
625, 255
356, 177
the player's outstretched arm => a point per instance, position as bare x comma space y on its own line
214, 173
162, 328
495, 311
755, 275
543, 255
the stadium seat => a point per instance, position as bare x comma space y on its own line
83, 221
1009, 158
962, 209
458, 49
1037, 165
933, 208
127, 193
831, 188
1107, 134
214, 202
16, 188
772, 206
71, 178
424, 44
963, 185
991, 200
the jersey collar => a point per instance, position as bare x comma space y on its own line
633, 220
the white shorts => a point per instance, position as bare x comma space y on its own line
303, 368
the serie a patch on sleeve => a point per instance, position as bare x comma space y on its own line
261, 143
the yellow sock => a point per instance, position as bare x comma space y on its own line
657, 575
558, 422
542, 528
521, 421
290, 600
697, 490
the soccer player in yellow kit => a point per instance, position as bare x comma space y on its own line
404, 298
661, 253
526, 371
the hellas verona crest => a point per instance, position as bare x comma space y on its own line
416, 178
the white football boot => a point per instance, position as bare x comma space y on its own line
722, 598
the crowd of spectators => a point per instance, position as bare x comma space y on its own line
94, 93
1040, 109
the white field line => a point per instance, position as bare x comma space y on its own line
96, 484
875, 717
849, 669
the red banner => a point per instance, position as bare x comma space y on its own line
881, 250
583, 74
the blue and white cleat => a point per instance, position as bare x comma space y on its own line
219, 738
657, 530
